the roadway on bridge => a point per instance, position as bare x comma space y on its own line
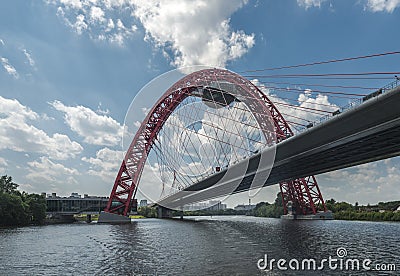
366, 133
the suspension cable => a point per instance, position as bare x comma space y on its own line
319, 91
322, 75
330, 86
302, 107
324, 62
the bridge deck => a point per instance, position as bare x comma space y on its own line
367, 133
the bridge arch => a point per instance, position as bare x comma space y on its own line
303, 193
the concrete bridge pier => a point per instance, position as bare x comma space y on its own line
106, 217
163, 212
327, 215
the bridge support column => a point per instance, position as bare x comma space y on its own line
302, 199
112, 218
164, 212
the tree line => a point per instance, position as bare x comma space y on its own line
19, 208
383, 211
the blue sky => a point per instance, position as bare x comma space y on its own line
70, 68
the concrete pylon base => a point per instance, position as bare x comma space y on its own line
163, 212
112, 218
319, 216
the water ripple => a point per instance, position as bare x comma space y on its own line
207, 246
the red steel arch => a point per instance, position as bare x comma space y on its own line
303, 193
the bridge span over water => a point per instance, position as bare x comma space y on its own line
366, 132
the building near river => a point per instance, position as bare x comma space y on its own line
75, 204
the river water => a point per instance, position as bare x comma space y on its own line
207, 246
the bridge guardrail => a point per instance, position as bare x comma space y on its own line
353, 104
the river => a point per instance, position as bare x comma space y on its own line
207, 246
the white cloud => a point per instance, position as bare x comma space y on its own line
310, 3
97, 18
97, 14
74, 4
102, 111
80, 24
9, 68
188, 32
18, 134
2, 42
29, 57
367, 183
373, 5
94, 128
106, 164
110, 25
46, 170
195, 32
382, 5
305, 100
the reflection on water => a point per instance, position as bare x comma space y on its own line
208, 246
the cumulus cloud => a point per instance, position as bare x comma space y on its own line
188, 32
94, 128
105, 164
194, 32
9, 68
97, 14
18, 134
46, 170
310, 3
382, 5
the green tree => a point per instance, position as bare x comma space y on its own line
343, 206
36, 207
18, 208
7, 185
396, 216
148, 212
278, 200
330, 204
12, 210
264, 209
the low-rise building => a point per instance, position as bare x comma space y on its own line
75, 204
143, 203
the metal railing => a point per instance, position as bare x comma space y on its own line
352, 105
